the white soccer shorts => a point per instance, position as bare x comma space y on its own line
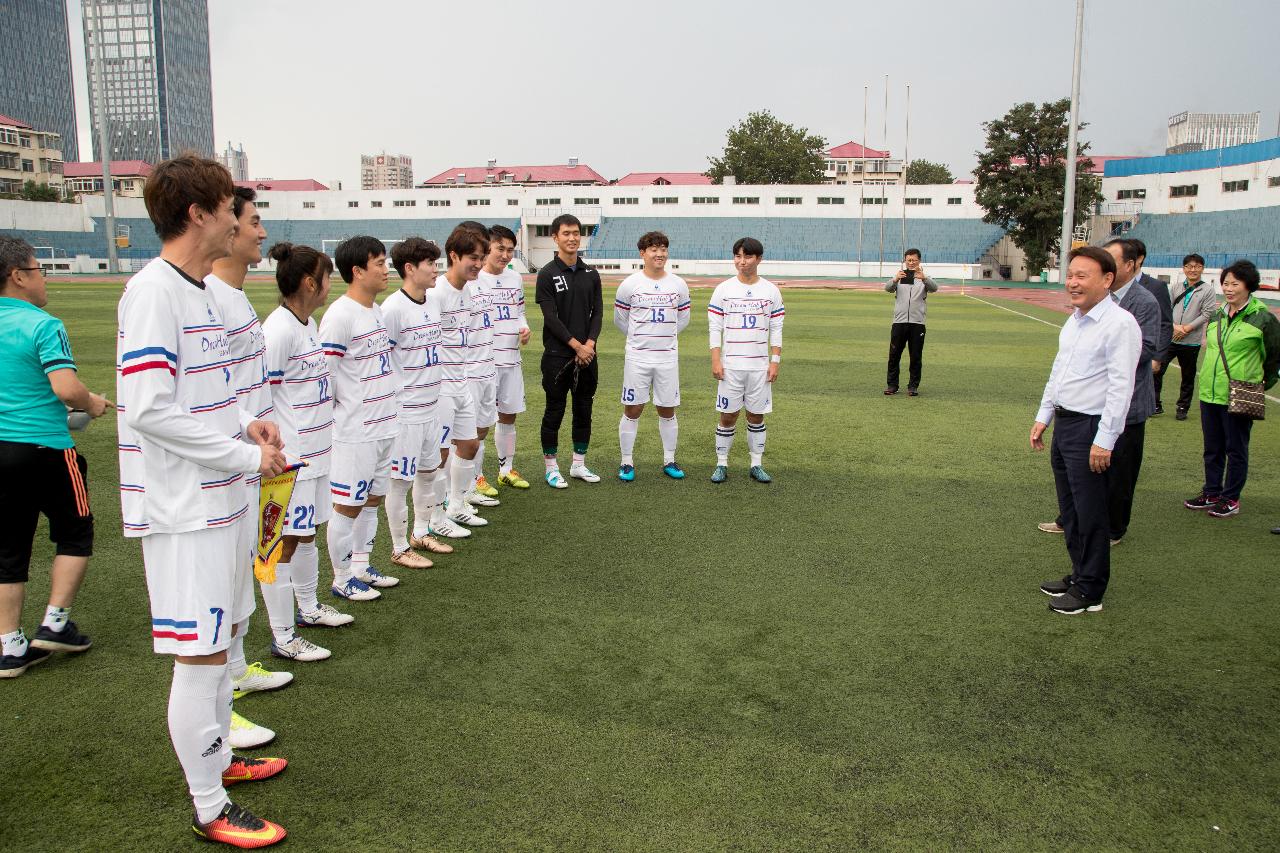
309, 507
200, 584
416, 448
360, 469
485, 394
457, 418
751, 386
637, 379
510, 390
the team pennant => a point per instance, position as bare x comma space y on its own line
273, 507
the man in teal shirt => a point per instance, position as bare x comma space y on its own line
40, 470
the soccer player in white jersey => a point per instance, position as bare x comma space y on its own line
482, 374
413, 322
510, 332
364, 385
249, 374
298, 375
186, 446
745, 319
651, 308
465, 249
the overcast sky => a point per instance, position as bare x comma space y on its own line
308, 85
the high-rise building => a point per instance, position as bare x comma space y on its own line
1199, 131
386, 171
236, 161
35, 69
159, 101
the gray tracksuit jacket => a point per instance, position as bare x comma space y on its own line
1198, 312
908, 302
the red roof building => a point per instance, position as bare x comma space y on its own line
494, 175
13, 122
1099, 162
662, 179
296, 185
119, 169
854, 151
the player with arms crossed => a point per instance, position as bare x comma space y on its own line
364, 388
651, 308
510, 332
298, 374
183, 462
413, 322
745, 318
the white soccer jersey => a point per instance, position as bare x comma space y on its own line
507, 292
364, 381
248, 346
414, 328
480, 364
745, 320
455, 323
651, 314
298, 376
182, 460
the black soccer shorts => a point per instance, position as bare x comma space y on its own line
35, 480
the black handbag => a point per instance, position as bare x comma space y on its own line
1246, 399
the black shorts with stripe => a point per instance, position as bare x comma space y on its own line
36, 480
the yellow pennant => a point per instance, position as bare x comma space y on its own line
273, 510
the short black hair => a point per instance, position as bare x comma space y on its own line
1139, 247
563, 220
915, 252
1128, 249
1193, 258
501, 232
652, 238
1243, 271
413, 250
14, 253
749, 246
473, 225
356, 252
1099, 256
238, 198
465, 240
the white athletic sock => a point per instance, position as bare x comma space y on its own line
478, 463
579, 459
339, 539
551, 463
461, 476
724, 443
223, 709
441, 489
398, 514
755, 442
55, 618
363, 533
306, 574
235, 654
627, 429
197, 735
278, 597
14, 643
669, 429
504, 441
424, 501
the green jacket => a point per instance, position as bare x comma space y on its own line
1251, 340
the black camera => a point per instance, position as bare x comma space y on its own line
909, 276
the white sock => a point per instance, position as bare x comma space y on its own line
627, 429
755, 442
461, 476
278, 597
478, 462
55, 618
363, 533
235, 654
339, 539
724, 443
669, 429
223, 709
579, 459
398, 514
504, 441
198, 736
14, 643
441, 489
424, 501
552, 463
305, 571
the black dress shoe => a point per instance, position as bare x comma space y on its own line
1159, 410
911, 392
1276, 530
1181, 415
889, 392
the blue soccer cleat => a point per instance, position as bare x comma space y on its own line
759, 475
627, 473
720, 474
673, 470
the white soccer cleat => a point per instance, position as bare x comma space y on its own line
300, 649
355, 590
556, 480
375, 578
258, 678
324, 617
247, 735
449, 530
582, 472
465, 515
476, 499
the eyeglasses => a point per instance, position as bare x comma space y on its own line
32, 269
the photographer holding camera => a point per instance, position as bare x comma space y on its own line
910, 287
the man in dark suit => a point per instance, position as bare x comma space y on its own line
1160, 291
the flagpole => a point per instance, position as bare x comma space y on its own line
862, 181
883, 198
1069, 189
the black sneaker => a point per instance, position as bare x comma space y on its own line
1073, 601
890, 391
1200, 501
1225, 508
1159, 410
11, 666
69, 639
911, 392
1056, 588
1180, 415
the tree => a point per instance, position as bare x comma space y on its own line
1022, 173
763, 150
31, 191
926, 172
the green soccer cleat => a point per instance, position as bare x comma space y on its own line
760, 475
720, 474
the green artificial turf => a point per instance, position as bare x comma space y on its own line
854, 657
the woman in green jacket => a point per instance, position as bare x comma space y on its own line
1250, 341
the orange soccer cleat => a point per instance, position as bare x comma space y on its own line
239, 828
244, 769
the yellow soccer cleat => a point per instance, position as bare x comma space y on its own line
513, 479
482, 486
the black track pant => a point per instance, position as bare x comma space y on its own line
560, 378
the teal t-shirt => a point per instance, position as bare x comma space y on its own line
33, 343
